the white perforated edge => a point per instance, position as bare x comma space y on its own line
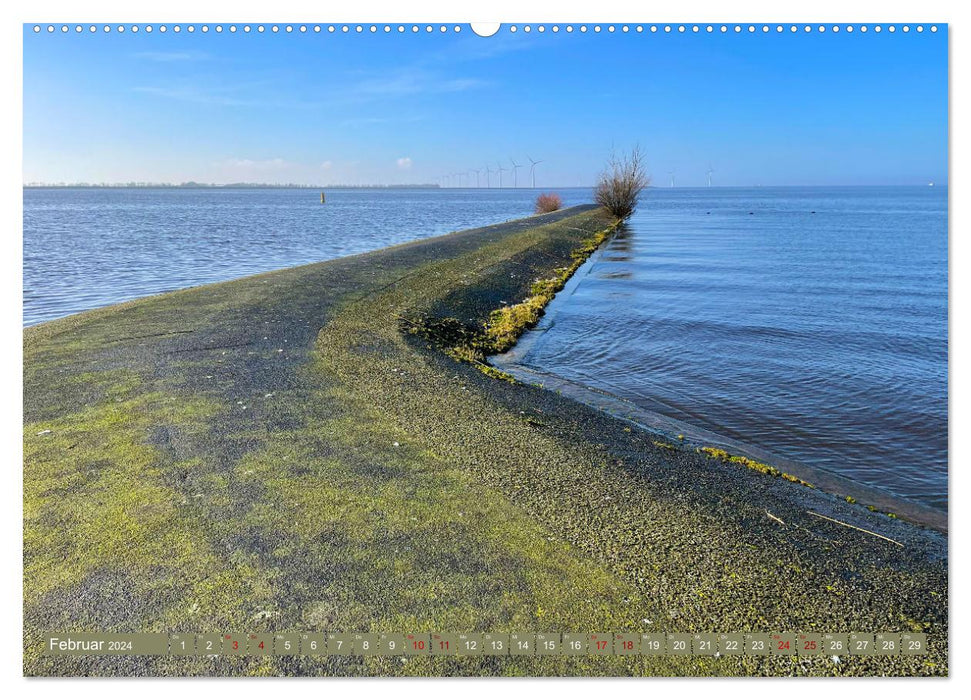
489, 29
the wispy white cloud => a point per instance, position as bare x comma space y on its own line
253, 94
404, 163
408, 82
248, 164
195, 94
435, 72
411, 82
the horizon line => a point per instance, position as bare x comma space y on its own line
271, 185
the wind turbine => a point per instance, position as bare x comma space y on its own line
710, 171
476, 171
671, 173
501, 171
532, 170
515, 166
488, 172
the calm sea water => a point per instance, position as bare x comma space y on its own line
85, 248
811, 323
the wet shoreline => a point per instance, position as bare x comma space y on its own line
693, 436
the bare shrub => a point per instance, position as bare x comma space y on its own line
548, 202
621, 183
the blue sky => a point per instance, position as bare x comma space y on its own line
767, 109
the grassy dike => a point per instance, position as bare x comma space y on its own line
294, 451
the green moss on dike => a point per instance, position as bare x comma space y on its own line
872, 509
761, 467
102, 504
491, 371
505, 325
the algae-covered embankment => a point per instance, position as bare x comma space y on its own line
284, 453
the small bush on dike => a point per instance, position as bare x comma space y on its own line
548, 202
621, 183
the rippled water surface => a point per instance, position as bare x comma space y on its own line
811, 323
85, 248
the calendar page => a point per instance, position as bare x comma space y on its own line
538, 349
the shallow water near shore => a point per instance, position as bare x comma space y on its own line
810, 324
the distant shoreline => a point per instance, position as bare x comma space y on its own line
432, 186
